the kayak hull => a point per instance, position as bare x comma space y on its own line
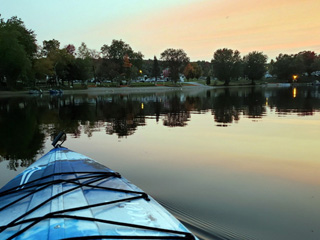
68, 195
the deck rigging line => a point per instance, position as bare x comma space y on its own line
90, 178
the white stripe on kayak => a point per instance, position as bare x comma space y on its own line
26, 176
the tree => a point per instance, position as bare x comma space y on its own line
67, 68
117, 50
17, 50
50, 46
188, 71
226, 64
192, 70
14, 61
255, 65
114, 56
83, 69
316, 63
85, 53
91, 57
61, 59
25, 37
146, 67
155, 68
175, 59
206, 68
135, 72
127, 66
286, 66
71, 49
107, 69
136, 59
308, 58
50, 50
42, 68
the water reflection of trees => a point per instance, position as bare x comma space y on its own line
254, 104
303, 102
175, 115
228, 105
20, 129
26, 122
124, 118
226, 108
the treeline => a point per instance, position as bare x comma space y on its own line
24, 63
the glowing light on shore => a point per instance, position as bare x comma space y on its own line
295, 77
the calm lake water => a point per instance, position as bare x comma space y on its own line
238, 163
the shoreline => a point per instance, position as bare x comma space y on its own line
136, 90
107, 90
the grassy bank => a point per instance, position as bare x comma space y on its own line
190, 82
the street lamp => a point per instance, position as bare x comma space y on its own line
294, 78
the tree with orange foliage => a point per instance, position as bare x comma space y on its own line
127, 66
192, 70
188, 71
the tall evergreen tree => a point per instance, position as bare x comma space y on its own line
155, 68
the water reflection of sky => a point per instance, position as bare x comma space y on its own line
258, 177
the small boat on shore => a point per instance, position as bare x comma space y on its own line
66, 195
55, 91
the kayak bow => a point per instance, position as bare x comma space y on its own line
66, 195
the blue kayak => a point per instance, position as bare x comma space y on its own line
66, 195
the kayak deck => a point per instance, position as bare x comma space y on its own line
66, 195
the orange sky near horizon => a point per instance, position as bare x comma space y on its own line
199, 27
270, 26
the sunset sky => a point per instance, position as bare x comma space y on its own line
200, 27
